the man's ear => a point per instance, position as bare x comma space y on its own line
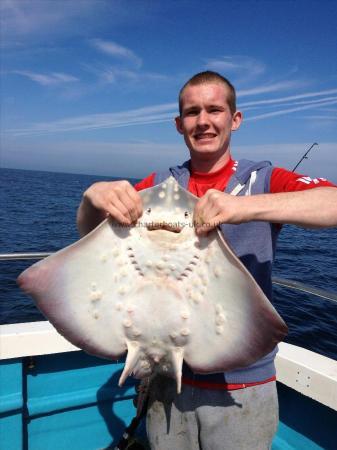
237, 120
179, 125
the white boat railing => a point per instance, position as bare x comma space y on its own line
24, 256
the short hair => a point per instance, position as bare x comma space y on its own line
208, 77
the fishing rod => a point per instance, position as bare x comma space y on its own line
304, 156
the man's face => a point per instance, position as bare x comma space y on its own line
206, 121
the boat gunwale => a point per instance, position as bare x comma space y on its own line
307, 372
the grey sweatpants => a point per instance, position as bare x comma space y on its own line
204, 419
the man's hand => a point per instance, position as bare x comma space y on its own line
217, 207
115, 198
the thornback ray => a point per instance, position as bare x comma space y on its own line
158, 291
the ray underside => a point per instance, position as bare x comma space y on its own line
164, 296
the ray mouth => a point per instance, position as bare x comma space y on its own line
172, 227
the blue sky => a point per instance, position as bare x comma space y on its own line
90, 86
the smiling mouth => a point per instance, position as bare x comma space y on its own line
200, 137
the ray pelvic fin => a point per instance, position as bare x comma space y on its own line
130, 363
177, 363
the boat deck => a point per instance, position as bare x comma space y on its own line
65, 399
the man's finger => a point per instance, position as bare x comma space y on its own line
136, 200
129, 206
199, 212
119, 211
131, 201
208, 226
206, 214
206, 207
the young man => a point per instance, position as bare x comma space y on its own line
249, 201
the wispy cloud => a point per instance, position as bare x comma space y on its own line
289, 110
237, 64
141, 116
268, 88
113, 49
20, 18
294, 103
289, 98
246, 71
166, 112
51, 79
114, 74
23, 22
318, 103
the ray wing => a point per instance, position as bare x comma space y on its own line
83, 289
232, 322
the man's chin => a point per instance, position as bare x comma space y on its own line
208, 154
205, 152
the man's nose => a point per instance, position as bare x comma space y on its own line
203, 119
